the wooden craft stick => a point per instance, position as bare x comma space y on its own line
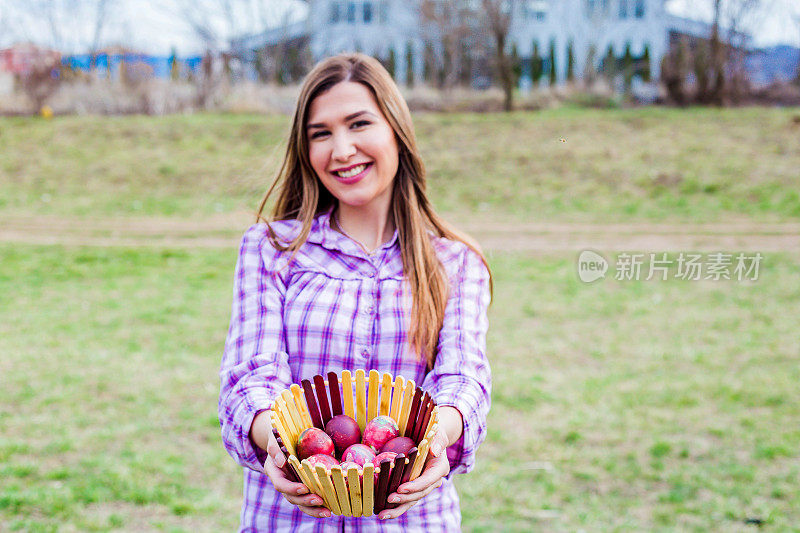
282, 412
424, 416
397, 398
413, 412
336, 394
433, 419
292, 409
361, 397
408, 392
383, 484
314, 484
412, 456
386, 393
347, 394
322, 396
372, 406
341, 490
394, 480
311, 402
305, 475
300, 402
354, 486
368, 491
285, 435
327, 488
422, 454
290, 474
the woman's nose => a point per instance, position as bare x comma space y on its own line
343, 147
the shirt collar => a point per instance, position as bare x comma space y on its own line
323, 234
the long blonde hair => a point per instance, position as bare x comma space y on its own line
301, 197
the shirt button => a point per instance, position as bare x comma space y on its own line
365, 352
372, 274
370, 309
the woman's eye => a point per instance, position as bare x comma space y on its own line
318, 134
360, 123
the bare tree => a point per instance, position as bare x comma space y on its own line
727, 44
497, 17
448, 21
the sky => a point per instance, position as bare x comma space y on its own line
158, 26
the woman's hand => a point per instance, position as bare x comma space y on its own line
436, 468
295, 493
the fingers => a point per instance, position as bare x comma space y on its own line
275, 452
309, 500
414, 496
316, 512
280, 481
397, 511
439, 443
410, 500
435, 470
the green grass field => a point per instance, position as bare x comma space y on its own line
617, 406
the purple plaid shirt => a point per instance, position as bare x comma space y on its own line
336, 308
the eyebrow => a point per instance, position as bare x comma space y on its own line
347, 118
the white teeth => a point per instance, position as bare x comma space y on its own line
352, 172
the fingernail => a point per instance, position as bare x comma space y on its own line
302, 490
436, 450
280, 462
325, 514
404, 491
394, 499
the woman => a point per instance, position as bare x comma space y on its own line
354, 270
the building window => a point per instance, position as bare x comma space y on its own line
367, 12
535, 9
623, 9
383, 11
639, 9
351, 12
336, 14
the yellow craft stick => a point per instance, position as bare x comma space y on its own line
300, 402
372, 406
386, 393
354, 485
305, 476
361, 397
315, 486
347, 394
408, 394
397, 397
283, 414
327, 487
368, 492
285, 436
341, 490
293, 412
433, 420
423, 452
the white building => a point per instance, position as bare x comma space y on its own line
587, 27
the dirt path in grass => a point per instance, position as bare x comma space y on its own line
224, 232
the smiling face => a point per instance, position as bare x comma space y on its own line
352, 147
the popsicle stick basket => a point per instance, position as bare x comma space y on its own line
316, 401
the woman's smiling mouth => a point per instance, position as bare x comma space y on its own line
352, 174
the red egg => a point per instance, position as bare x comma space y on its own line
328, 461
359, 454
399, 445
344, 432
313, 441
379, 431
